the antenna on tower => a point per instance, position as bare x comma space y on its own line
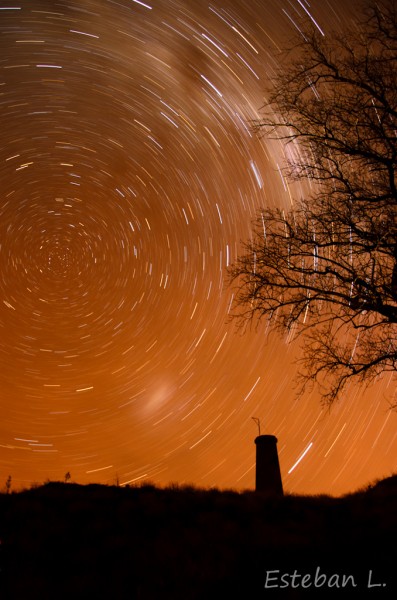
258, 422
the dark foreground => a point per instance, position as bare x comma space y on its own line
70, 541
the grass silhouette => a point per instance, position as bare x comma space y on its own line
63, 540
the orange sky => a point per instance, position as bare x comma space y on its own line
129, 178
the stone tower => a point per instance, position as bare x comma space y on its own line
268, 475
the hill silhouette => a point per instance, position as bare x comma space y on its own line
64, 540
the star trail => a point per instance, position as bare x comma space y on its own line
130, 176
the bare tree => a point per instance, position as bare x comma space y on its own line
327, 268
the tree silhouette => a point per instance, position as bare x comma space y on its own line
327, 267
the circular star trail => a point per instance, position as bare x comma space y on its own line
130, 176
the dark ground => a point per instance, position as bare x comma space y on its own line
70, 541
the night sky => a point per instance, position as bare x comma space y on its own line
129, 178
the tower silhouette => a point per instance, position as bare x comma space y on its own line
268, 475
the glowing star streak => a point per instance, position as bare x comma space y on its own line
301, 457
